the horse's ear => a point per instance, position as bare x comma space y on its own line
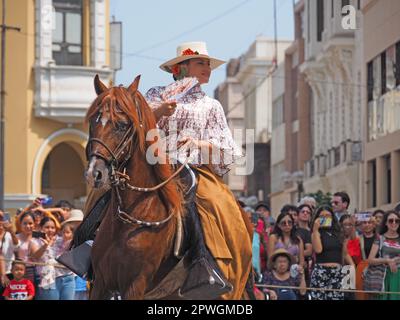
99, 86
134, 85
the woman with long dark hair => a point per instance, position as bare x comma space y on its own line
284, 236
26, 224
331, 251
387, 246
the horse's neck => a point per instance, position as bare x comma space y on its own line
141, 174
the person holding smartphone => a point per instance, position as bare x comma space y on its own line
331, 251
55, 283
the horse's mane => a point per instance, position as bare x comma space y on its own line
120, 97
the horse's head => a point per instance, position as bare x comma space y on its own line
113, 120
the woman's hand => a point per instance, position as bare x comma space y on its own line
300, 269
317, 224
392, 265
49, 241
8, 227
189, 142
167, 108
272, 295
4, 280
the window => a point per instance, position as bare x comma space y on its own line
332, 8
397, 68
383, 73
390, 68
387, 179
320, 19
337, 156
372, 184
312, 168
67, 36
308, 20
370, 81
277, 112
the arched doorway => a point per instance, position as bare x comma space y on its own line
63, 175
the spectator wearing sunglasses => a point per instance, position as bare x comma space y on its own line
340, 204
293, 212
367, 239
304, 232
330, 248
389, 241
303, 228
284, 236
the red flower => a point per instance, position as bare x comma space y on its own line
189, 52
176, 70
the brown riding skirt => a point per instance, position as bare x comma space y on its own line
225, 232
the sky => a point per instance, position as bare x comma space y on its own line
152, 30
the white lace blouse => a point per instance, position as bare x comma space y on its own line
199, 117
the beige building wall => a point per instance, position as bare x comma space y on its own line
381, 20
29, 139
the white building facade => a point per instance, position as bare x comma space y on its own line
333, 65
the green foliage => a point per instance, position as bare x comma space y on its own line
321, 198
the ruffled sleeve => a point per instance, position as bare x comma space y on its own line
154, 100
153, 97
219, 135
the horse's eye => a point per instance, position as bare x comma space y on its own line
122, 126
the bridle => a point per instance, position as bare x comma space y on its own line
120, 180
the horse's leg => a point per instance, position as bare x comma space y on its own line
136, 290
99, 292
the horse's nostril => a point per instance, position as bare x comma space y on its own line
97, 175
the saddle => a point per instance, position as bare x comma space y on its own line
204, 279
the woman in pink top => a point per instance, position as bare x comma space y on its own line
284, 237
27, 223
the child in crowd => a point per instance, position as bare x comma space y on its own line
19, 288
68, 229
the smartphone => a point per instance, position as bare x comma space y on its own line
325, 222
38, 234
46, 201
5, 217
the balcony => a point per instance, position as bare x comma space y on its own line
384, 115
64, 93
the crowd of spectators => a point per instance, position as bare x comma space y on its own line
30, 245
324, 252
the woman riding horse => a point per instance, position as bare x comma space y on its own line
202, 126
200, 123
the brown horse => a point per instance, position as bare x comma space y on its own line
129, 256
134, 246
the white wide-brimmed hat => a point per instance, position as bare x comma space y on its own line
75, 216
190, 50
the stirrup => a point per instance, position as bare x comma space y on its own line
204, 282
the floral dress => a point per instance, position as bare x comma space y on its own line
199, 117
48, 272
